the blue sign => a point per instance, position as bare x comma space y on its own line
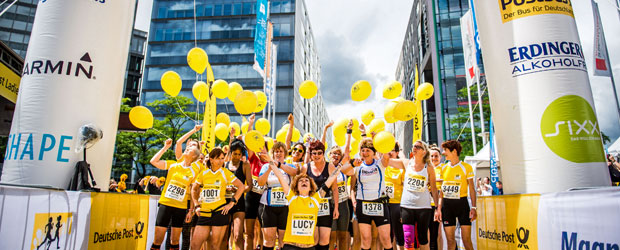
260, 37
492, 158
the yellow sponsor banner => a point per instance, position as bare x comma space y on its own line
508, 222
50, 229
9, 83
208, 128
515, 9
118, 221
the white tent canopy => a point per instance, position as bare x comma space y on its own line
482, 157
615, 147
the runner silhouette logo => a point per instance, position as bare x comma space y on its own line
50, 230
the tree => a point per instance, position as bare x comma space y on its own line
139, 148
460, 123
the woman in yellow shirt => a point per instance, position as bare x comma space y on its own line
211, 207
303, 202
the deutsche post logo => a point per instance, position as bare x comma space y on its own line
523, 235
515, 9
139, 229
50, 229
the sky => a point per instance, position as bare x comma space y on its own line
362, 40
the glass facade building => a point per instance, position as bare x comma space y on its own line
225, 30
433, 42
16, 24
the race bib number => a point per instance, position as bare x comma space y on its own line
389, 189
451, 189
210, 193
229, 194
416, 183
343, 195
175, 191
302, 225
323, 207
372, 208
255, 187
277, 196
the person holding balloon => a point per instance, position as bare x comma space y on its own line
394, 178
272, 209
241, 169
208, 196
178, 148
174, 202
372, 199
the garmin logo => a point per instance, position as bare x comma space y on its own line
82, 68
540, 57
573, 243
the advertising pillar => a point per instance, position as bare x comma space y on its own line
543, 111
73, 75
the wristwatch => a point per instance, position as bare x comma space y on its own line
233, 200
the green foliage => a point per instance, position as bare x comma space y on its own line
139, 148
4, 141
461, 124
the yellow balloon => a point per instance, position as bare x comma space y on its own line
424, 91
254, 140
200, 91
220, 89
340, 140
281, 136
244, 127
307, 137
388, 112
261, 101
340, 127
262, 125
233, 89
245, 102
405, 110
141, 117
285, 127
221, 131
171, 83
392, 90
236, 127
357, 134
376, 126
307, 89
197, 59
360, 90
398, 99
296, 135
367, 116
384, 142
269, 141
223, 118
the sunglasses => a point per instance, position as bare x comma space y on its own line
418, 147
317, 153
297, 150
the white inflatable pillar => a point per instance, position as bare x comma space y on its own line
73, 75
547, 132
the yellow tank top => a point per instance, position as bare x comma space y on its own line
394, 179
301, 219
176, 190
212, 193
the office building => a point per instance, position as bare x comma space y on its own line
225, 30
134, 69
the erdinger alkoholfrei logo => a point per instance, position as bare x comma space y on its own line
50, 229
523, 235
570, 129
82, 68
546, 56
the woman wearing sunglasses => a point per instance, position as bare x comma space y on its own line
318, 170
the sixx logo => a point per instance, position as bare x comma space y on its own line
546, 56
523, 235
569, 128
573, 243
515, 9
81, 68
50, 229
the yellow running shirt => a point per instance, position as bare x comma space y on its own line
301, 219
454, 185
213, 189
394, 183
176, 190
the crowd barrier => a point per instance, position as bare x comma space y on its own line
39, 218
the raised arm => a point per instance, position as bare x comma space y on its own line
387, 160
328, 183
324, 136
289, 134
281, 179
251, 121
347, 144
178, 147
156, 160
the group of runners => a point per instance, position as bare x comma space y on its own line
305, 196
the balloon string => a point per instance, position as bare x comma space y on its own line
474, 108
160, 133
180, 109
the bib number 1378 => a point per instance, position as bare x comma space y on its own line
372, 209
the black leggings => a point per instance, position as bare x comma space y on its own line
434, 233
